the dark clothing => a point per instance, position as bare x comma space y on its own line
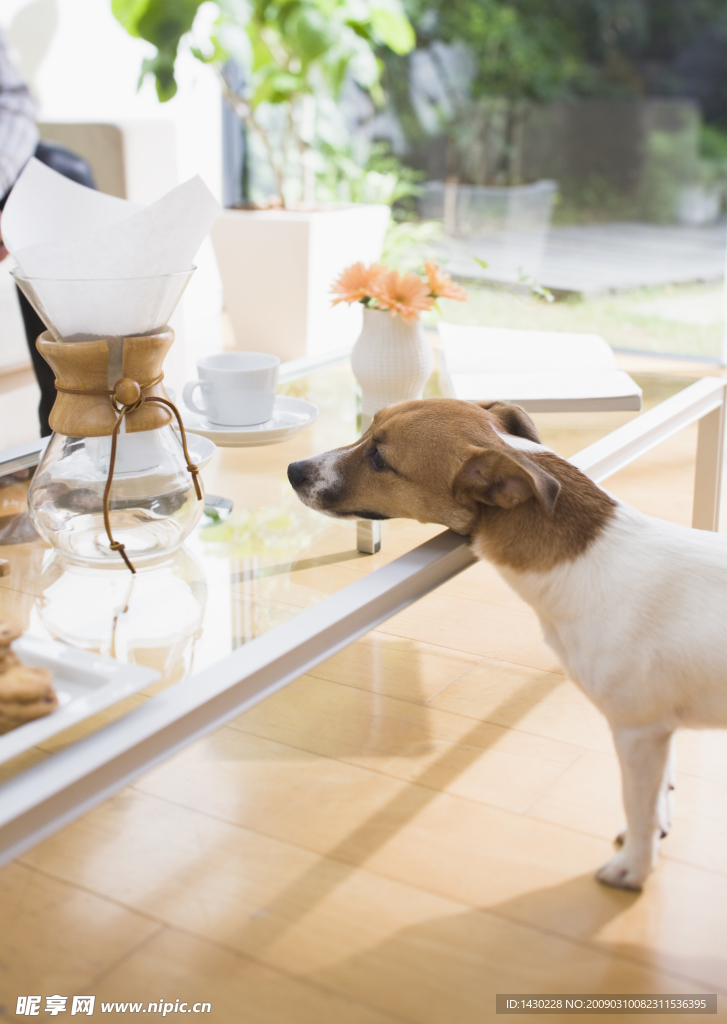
34, 327
71, 166
18, 142
74, 167
65, 162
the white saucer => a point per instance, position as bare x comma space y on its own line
201, 450
290, 416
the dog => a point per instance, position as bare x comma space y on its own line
634, 607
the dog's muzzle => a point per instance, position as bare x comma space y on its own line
316, 481
298, 473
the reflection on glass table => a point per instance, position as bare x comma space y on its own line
239, 575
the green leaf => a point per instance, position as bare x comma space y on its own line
365, 68
394, 30
354, 11
233, 41
203, 57
278, 87
535, 286
377, 95
337, 72
163, 71
261, 55
164, 22
308, 33
128, 12
161, 23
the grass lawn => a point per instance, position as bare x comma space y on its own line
683, 320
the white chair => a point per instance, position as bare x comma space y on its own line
543, 371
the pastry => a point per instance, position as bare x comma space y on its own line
25, 692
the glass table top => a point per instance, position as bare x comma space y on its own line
238, 576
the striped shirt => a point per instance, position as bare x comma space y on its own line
18, 131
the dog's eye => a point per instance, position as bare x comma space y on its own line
378, 461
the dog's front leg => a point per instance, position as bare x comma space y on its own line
643, 753
666, 793
666, 799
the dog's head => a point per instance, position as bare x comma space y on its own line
437, 461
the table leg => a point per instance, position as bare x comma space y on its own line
708, 475
368, 531
368, 536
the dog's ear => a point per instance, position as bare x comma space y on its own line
494, 477
512, 419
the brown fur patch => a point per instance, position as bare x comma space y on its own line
442, 461
505, 478
526, 537
513, 419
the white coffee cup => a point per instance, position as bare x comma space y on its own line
238, 388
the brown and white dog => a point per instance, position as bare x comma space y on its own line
634, 607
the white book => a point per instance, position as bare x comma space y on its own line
544, 371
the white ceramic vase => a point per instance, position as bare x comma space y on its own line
392, 361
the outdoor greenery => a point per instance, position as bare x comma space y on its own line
540, 49
295, 53
499, 64
686, 320
712, 155
380, 178
520, 55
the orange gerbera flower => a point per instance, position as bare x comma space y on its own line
440, 284
406, 295
356, 283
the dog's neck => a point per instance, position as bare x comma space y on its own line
529, 539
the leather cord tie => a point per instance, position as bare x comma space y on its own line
127, 397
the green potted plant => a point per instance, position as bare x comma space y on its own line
297, 55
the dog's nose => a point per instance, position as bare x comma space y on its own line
296, 473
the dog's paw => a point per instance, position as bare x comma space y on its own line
623, 873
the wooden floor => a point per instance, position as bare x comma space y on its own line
398, 836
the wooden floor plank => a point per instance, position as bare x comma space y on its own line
175, 966
541, 921
57, 938
531, 700
396, 667
435, 748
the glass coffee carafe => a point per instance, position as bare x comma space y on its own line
115, 485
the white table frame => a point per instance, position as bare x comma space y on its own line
50, 795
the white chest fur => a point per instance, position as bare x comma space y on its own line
640, 620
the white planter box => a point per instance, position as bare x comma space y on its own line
277, 268
506, 226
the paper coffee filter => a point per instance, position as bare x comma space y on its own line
45, 207
112, 309
98, 266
